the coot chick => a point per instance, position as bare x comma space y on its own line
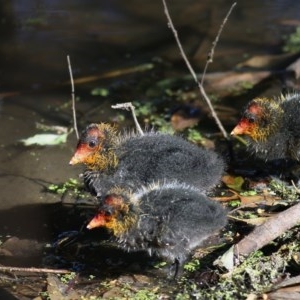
132, 160
272, 127
167, 219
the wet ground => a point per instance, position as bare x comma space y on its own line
109, 44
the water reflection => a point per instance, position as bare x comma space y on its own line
37, 36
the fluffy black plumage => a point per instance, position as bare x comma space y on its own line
169, 220
272, 127
134, 160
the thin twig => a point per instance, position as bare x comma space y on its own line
295, 187
200, 86
33, 270
211, 53
73, 97
129, 106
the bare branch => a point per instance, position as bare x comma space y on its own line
211, 53
129, 106
73, 97
202, 91
268, 231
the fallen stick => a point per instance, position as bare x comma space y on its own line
260, 237
33, 270
268, 231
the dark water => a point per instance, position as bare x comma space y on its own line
36, 36
101, 36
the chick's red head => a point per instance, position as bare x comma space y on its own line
99, 220
108, 213
112, 214
87, 146
255, 121
94, 140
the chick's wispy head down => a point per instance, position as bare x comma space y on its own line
271, 127
95, 147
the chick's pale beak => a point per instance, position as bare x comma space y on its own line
75, 160
237, 130
79, 156
97, 221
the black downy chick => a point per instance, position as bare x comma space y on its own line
132, 160
169, 220
272, 127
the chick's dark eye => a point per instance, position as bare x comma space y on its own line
108, 213
251, 119
92, 143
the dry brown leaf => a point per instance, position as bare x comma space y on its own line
233, 182
266, 198
234, 196
290, 22
266, 61
180, 122
255, 221
251, 199
225, 82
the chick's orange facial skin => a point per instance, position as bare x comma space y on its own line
104, 218
109, 220
87, 147
81, 155
248, 124
244, 127
99, 220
